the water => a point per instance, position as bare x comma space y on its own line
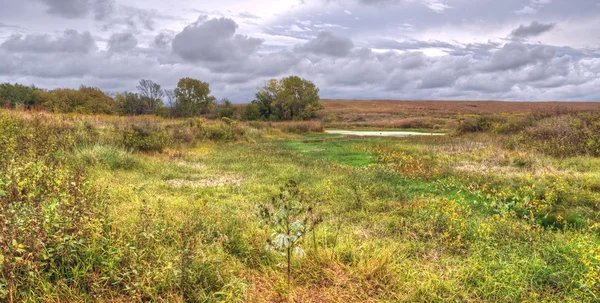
361, 133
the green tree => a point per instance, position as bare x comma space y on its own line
85, 100
18, 94
291, 98
192, 98
251, 112
96, 101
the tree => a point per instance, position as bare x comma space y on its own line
226, 109
18, 94
170, 97
85, 100
291, 98
96, 101
251, 112
192, 98
130, 104
152, 95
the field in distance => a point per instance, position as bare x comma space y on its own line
437, 107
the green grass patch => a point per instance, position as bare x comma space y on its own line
345, 152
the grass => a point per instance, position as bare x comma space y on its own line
341, 151
415, 219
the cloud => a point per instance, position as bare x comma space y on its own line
103, 9
72, 9
383, 53
532, 30
71, 41
527, 10
515, 55
162, 40
213, 40
247, 15
68, 8
533, 7
437, 6
121, 42
4, 25
410, 44
329, 44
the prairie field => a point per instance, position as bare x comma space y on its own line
503, 208
435, 114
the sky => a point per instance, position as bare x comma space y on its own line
514, 50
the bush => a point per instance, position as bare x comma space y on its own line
251, 112
560, 136
226, 112
145, 138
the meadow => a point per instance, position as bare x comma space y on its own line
504, 208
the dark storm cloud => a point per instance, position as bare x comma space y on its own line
121, 42
532, 30
329, 44
213, 40
71, 41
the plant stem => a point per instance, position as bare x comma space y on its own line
289, 271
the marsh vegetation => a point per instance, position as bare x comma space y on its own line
127, 209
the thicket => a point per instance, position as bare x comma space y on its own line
559, 133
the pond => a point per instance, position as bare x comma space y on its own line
365, 133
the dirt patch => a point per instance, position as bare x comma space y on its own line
192, 165
216, 181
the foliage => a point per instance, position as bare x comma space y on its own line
85, 100
564, 136
192, 98
226, 109
146, 138
290, 216
251, 112
291, 98
14, 95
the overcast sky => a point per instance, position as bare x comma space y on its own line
352, 49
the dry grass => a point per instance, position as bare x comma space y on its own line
445, 108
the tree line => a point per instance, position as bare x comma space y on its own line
290, 98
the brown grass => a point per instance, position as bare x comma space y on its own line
445, 108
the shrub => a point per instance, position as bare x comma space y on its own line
226, 112
146, 137
560, 136
251, 112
